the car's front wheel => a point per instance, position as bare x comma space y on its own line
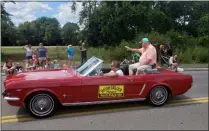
158, 96
42, 105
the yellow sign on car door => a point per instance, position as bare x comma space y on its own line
111, 91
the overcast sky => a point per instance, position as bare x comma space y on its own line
29, 11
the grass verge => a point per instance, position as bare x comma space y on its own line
190, 55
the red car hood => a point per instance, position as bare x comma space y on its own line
40, 75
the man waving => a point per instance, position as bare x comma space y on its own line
148, 58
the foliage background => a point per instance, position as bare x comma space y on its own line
111, 25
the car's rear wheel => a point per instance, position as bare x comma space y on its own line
42, 105
158, 96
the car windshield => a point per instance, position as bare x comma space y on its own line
90, 65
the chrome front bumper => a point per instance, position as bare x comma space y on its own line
4, 94
11, 98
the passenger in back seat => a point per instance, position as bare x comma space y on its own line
148, 58
116, 71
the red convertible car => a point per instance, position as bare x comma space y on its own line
42, 91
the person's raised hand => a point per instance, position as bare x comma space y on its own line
128, 48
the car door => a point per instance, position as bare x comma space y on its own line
70, 89
98, 88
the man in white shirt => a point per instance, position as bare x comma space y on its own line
116, 71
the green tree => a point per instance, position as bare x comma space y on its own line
69, 33
203, 27
7, 27
43, 29
24, 33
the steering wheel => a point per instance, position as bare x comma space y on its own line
96, 72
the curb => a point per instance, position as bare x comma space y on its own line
195, 69
185, 69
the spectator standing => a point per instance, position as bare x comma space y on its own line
83, 53
29, 51
157, 47
70, 51
169, 48
162, 54
42, 54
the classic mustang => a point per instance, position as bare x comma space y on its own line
42, 91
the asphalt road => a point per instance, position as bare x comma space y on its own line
126, 116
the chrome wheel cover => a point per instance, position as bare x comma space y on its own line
42, 105
158, 95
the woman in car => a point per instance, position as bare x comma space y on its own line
116, 71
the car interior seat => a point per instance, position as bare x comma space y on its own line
152, 70
105, 70
124, 68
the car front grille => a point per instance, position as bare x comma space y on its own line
4, 94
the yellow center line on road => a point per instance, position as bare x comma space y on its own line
192, 99
19, 118
13, 116
185, 103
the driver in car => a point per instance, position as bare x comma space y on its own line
148, 57
116, 71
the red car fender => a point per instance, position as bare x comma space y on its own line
42, 89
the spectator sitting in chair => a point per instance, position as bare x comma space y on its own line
64, 66
30, 65
9, 67
116, 71
47, 64
56, 65
18, 68
173, 62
